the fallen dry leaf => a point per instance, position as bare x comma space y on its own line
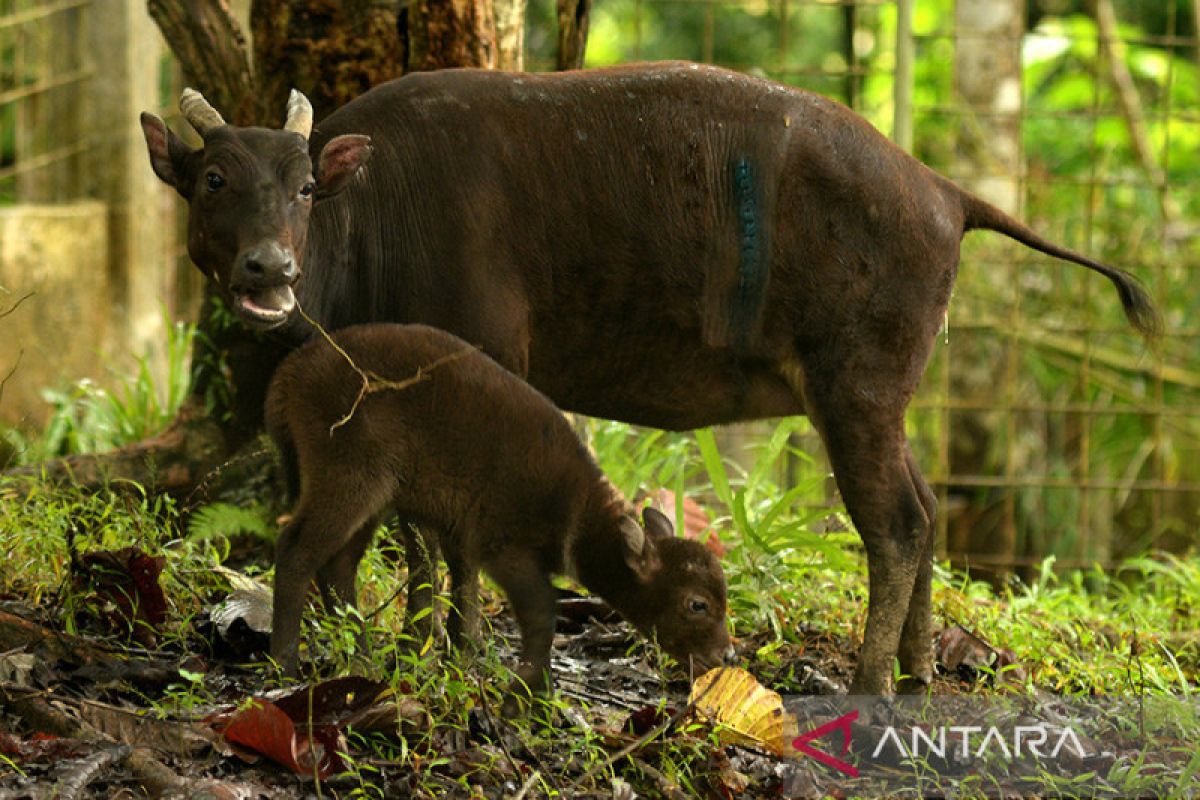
125, 590
749, 713
965, 654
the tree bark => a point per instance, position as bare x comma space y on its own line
510, 34
330, 50
1131, 107
573, 17
212, 53
451, 33
988, 81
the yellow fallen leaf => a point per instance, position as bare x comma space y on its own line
748, 713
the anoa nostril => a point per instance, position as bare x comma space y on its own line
730, 656
254, 267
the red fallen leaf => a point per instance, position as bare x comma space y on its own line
695, 519
125, 589
333, 702
265, 728
964, 653
280, 729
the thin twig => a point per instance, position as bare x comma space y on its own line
17, 304
525, 787
487, 713
371, 382
668, 787
11, 372
213, 474
649, 735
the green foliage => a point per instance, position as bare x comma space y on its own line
226, 520
88, 417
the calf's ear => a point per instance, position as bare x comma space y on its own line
340, 160
658, 525
641, 555
167, 152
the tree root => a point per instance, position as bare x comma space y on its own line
175, 461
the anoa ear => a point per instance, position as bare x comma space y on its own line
340, 159
640, 553
167, 152
658, 524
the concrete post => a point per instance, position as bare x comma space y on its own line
127, 50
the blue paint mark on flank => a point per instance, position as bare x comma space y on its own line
752, 250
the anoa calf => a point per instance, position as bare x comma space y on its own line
672, 245
470, 451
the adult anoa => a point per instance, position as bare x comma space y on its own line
672, 244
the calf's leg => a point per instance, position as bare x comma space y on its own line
338, 578
532, 597
319, 530
462, 620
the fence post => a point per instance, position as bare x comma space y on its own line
127, 52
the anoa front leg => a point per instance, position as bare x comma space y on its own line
532, 597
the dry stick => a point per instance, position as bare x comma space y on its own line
668, 787
525, 787
647, 736
21, 352
494, 725
483, 706
11, 372
156, 778
17, 304
87, 771
371, 382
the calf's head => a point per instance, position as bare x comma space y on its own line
250, 192
680, 593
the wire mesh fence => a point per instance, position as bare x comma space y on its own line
44, 72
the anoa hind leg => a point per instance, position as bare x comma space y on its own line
872, 464
338, 580
916, 639
319, 530
421, 556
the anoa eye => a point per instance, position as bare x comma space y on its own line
697, 606
213, 181
306, 191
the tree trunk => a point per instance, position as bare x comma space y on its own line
451, 33
988, 81
333, 51
573, 16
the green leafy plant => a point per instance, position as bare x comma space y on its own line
88, 417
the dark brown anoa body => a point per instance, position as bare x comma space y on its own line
478, 456
672, 245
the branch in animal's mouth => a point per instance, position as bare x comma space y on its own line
372, 382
